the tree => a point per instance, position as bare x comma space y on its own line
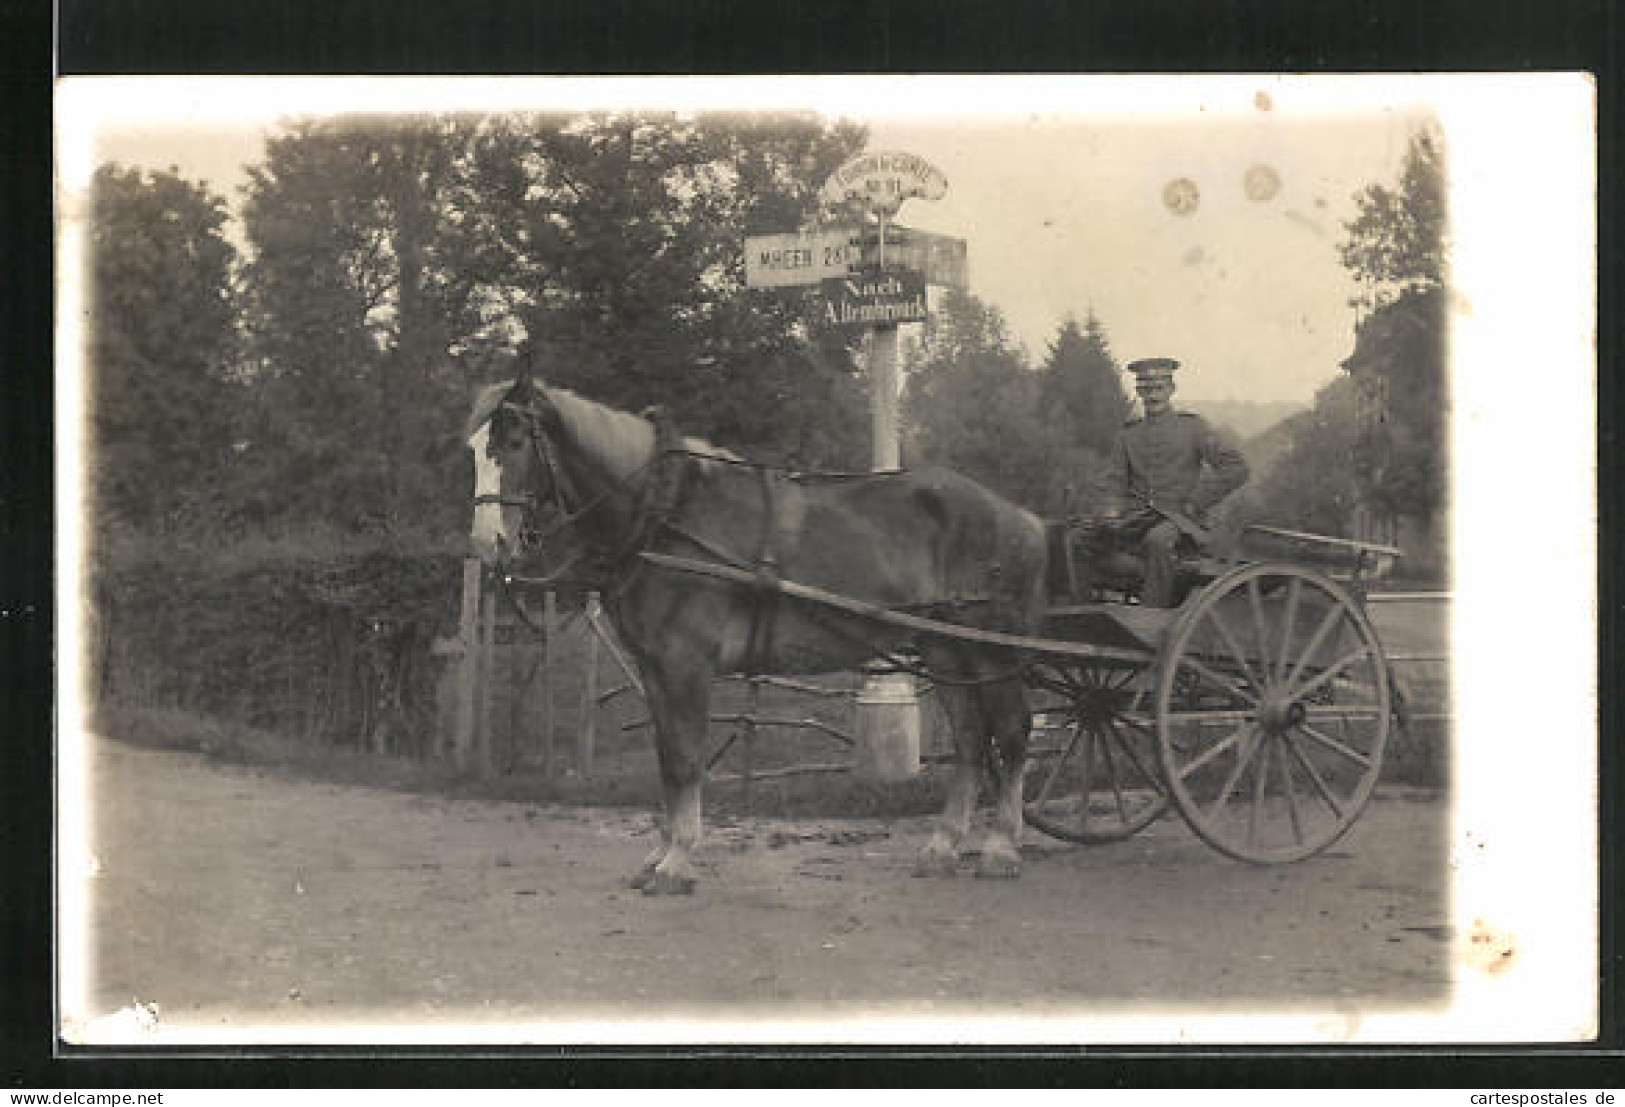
972, 405
162, 349
399, 261
1402, 448
356, 299
1397, 242
1310, 485
1083, 405
615, 242
1397, 247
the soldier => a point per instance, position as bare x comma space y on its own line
1157, 477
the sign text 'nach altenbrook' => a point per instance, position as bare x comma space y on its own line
876, 298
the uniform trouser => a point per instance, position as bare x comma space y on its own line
1154, 538
1159, 544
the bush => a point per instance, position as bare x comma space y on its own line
311, 639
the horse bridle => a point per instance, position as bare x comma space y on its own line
530, 537
547, 463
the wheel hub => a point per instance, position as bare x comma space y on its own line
1099, 705
1277, 715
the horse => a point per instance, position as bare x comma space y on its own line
930, 542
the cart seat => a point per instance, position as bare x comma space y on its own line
1118, 574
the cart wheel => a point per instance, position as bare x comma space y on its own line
1096, 780
1273, 708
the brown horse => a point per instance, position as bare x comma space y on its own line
931, 542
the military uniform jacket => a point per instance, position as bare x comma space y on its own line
1161, 461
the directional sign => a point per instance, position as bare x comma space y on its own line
883, 180
940, 258
780, 260
874, 298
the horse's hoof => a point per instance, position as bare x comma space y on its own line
640, 879
665, 884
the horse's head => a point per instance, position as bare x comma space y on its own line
554, 470
512, 477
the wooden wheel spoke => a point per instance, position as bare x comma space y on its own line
1219, 681
1234, 646
1319, 636
1111, 775
1342, 711
1137, 724
1212, 752
1260, 779
1287, 623
1057, 769
1233, 715
1243, 759
1315, 780
1334, 745
1088, 760
1329, 673
1139, 766
1255, 600
1291, 795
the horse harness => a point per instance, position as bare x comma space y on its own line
658, 499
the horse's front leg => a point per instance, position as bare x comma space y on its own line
679, 704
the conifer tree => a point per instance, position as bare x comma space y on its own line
1083, 409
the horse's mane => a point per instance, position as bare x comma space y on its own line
622, 443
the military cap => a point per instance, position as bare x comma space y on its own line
1153, 368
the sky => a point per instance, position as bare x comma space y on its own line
1057, 185
1065, 214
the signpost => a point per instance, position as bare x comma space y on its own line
939, 258
888, 707
809, 257
803, 257
876, 297
882, 180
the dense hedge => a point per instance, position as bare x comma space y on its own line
326, 644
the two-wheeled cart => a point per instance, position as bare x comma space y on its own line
1259, 707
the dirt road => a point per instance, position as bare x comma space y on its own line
231, 896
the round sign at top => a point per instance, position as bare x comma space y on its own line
882, 180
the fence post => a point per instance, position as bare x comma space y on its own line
463, 726
550, 626
522, 665
485, 669
589, 697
